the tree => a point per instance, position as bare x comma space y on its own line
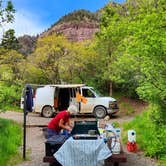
9, 41
6, 12
137, 54
78, 65
10, 61
46, 58
56, 59
136, 60
122, 39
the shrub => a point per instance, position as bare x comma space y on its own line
9, 96
150, 137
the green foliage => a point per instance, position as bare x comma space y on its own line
9, 96
132, 48
11, 136
9, 41
157, 115
78, 16
56, 59
6, 12
10, 66
10, 79
132, 43
43, 64
150, 137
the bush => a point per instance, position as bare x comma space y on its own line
157, 114
150, 137
9, 96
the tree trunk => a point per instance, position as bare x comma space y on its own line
110, 88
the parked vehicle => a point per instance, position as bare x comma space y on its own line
53, 98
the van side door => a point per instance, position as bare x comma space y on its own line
90, 96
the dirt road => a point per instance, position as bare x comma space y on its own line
36, 146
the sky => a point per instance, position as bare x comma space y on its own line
32, 17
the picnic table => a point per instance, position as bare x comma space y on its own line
114, 158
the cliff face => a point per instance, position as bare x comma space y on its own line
76, 26
74, 31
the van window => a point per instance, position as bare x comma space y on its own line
87, 93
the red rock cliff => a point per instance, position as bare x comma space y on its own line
75, 31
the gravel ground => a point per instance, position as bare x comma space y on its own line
35, 140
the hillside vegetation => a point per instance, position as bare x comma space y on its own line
78, 16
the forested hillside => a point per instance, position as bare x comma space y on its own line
78, 16
129, 51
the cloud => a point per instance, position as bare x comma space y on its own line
24, 23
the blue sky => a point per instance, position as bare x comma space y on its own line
34, 16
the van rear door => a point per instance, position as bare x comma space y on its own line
44, 97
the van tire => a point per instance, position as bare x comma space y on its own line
100, 112
47, 112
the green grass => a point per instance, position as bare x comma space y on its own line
10, 141
11, 108
150, 138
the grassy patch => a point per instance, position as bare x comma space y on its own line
15, 159
10, 108
10, 141
150, 138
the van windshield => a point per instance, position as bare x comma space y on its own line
97, 94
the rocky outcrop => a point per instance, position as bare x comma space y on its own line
75, 31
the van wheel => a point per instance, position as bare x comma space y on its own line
47, 112
100, 112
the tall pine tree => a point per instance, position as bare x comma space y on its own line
9, 41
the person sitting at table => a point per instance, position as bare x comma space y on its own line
61, 121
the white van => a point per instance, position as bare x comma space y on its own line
51, 99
